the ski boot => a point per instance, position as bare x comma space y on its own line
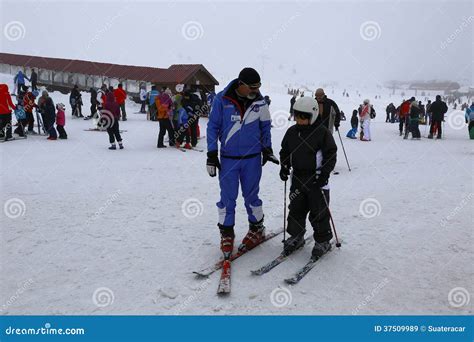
319, 249
254, 236
293, 243
227, 240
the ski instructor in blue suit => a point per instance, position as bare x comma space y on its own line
240, 120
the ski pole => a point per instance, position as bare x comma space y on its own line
338, 244
284, 215
345, 155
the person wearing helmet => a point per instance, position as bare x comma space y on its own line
309, 151
240, 120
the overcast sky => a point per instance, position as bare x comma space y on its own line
305, 41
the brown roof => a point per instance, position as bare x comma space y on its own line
177, 73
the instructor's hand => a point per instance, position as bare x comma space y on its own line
212, 163
269, 156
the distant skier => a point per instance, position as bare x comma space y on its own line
404, 116
329, 114
240, 120
415, 113
354, 123
6, 106
111, 114
292, 103
19, 81
143, 100
309, 150
470, 120
75, 100
61, 120
94, 104
34, 80
48, 112
438, 108
366, 113
120, 97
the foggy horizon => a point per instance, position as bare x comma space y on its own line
293, 43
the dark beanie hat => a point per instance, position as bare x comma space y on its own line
249, 76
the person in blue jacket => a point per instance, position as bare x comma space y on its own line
19, 80
470, 120
240, 121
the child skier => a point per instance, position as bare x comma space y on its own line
354, 123
61, 120
310, 151
111, 113
182, 131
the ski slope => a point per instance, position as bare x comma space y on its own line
120, 232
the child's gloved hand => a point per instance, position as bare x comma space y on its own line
284, 173
321, 180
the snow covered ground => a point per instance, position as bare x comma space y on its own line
86, 230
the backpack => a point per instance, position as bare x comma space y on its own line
405, 108
20, 113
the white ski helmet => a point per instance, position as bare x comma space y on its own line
307, 105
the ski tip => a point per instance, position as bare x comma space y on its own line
256, 272
223, 293
200, 275
290, 281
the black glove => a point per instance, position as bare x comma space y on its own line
284, 173
336, 127
212, 163
321, 180
269, 156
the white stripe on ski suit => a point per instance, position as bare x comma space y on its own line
250, 116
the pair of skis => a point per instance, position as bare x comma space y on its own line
224, 287
226, 265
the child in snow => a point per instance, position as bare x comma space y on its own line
61, 120
354, 123
183, 129
311, 152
